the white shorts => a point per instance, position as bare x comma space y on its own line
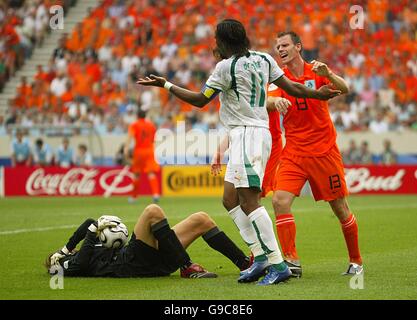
249, 150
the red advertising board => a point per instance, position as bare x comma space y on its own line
381, 179
105, 181
54, 181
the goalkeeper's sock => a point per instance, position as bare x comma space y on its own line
286, 231
246, 231
350, 231
169, 244
264, 231
219, 241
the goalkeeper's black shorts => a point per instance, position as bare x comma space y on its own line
142, 260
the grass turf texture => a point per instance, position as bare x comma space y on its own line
33, 227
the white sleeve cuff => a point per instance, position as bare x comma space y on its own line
92, 228
65, 250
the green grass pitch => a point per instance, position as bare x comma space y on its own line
33, 227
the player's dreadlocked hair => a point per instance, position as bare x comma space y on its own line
231, 38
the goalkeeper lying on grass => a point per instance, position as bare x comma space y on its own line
153, 250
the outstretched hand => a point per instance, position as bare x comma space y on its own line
216, 165
152, 80
327, 92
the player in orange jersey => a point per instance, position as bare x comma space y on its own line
310, 153
276, 150
143, 132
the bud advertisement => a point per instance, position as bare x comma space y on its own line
381, 179
54, 181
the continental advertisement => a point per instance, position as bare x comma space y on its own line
191, 181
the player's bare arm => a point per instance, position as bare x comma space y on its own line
323, 70
216, 162
300, 91
196, 99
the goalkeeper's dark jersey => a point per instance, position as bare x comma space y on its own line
93, 260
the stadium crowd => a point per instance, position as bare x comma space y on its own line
90, 78
23, 26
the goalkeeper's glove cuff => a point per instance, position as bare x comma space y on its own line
65, 251
93, 227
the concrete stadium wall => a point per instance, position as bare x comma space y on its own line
405, 142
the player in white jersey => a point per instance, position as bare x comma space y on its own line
241, 78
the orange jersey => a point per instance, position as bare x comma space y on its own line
144, 133
309, 130
273, 161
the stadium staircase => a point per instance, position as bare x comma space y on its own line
42, 55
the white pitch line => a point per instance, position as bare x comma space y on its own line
309, 209
69, 226
2, 233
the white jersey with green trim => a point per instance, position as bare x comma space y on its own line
243, 84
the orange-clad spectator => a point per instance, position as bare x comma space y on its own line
67, 96
74, 65
105, 33
89, 23
93, 68
50, 73
74, 42
163, 96
309, 36
51, 100
9, 34
130, 38
378, 10
37, 98
119, 49
116, 96
60, 107
410, 15
23, 92
41, 74
298, 17
99, 96
82, 83
318, 14
410, 83
337, 12
99, 12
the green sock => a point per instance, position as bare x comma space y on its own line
260, 258
280, 267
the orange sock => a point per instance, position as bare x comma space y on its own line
153, 181
286, 234
136, 187
350, 231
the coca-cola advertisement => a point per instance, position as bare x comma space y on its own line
381, 179
54, 181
